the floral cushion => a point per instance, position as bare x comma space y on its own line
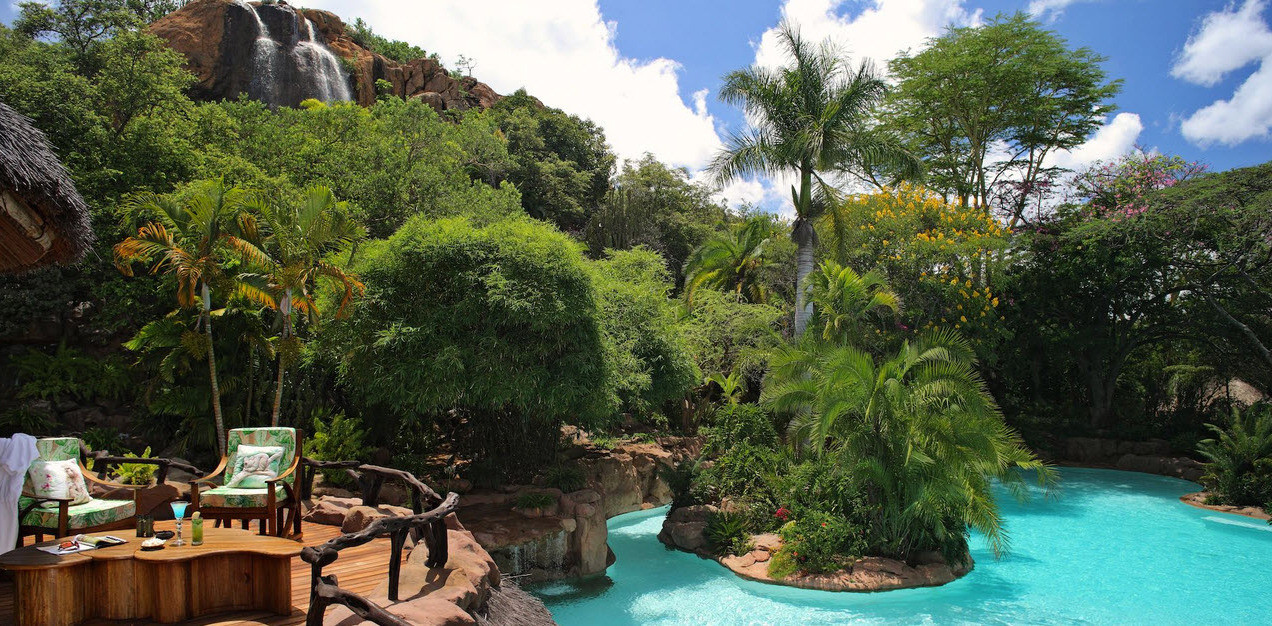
237, 498
57, 479
93, 513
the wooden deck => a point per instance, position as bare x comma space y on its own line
360, 570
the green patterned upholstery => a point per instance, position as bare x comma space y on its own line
248, 497
228, 497
93, 513
58, 448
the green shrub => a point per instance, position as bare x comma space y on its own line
567, 478
1239, 471
681, 479
534, 500
338, 438
24, 420
782, 564
743, 471
101, 438
69, 373
507, 349
727, 534
741, 423
136, 473
651, 361
818, 542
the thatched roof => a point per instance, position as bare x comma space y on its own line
43, 219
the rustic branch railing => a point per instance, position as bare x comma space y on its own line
430, 526
102, 460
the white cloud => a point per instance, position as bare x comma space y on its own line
1050, 8
1109, 142
1229, 40
877, 32
562, 52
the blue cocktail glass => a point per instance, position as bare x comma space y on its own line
178, 511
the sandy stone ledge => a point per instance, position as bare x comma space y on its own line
1198, 499
684, 530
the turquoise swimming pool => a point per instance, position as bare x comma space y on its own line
1110, 547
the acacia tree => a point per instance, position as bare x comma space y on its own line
811, 118
294, 255
989, 105
185, 236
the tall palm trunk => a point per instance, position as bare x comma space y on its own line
804, 238
284, 308
216, 387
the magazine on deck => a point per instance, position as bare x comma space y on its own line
80, 543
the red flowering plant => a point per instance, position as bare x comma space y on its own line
782, 513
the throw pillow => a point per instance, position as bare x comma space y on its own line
253, 465
58, 479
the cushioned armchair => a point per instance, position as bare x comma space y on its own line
55, 496
255, 480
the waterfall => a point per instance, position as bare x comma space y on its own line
309, 71
315, 59
265, 61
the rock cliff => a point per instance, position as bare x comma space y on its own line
282, 55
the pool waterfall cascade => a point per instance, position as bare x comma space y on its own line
549, 552
292, 62
1106, 547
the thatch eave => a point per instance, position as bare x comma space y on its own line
43, 219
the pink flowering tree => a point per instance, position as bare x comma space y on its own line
1120, 188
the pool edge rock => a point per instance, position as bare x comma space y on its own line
684, 530
1198, 499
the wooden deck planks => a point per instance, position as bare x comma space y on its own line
360, 570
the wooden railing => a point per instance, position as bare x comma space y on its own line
428, 526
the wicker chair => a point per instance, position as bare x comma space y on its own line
37, 517
272, 499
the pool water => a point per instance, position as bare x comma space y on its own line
1107, 547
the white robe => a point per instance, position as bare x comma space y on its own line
16, 455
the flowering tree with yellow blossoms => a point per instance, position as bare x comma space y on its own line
940, 258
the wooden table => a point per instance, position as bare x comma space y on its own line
233, 570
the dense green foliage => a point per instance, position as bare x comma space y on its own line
559, 162
650, 360
508, 348
1239, 472
399, 51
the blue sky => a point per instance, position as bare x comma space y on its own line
1197, 73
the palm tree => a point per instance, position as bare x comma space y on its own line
919, 427
293, 255
846, 300
810, 119
732, 261
185, 236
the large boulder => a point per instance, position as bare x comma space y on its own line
685, 527
441, 596
359, 517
